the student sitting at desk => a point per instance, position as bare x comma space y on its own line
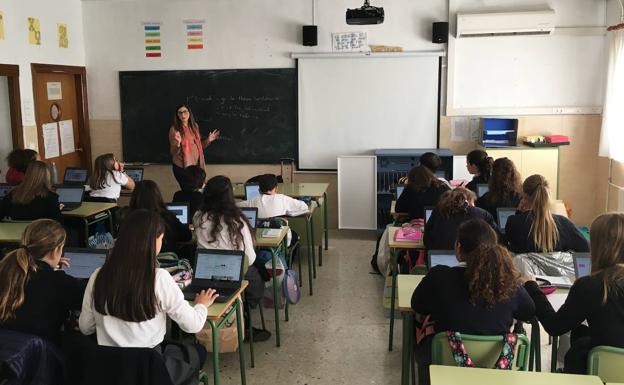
597, 298
147, 196
478, 164
108, 178
32, 199
433, 162
504, 187
423, 189
18, 161
536, 229
454, 208
220, 224
128, 299
483, 297
193, 180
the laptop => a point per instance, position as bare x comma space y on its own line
75, 176
83, 262
582, 264
70, 196
252, 190
482, 189
252, 216
4, 189
502, 214
136, 173
428, 211
442, 257
440, 174
399, 190
221, 270
180, 210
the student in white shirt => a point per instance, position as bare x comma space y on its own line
108, 178
128, 299
271, 204
220, 224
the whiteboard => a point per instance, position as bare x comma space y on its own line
357, 192
556, 74
354, 105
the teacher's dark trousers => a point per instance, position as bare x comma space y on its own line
179, 173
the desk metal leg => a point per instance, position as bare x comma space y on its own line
404, 354
325, 229
241, 353
110, 222
215, 352
393, 294
535, 353
310, 225
553, 355
409, 319
274, 252
310, 261
250, 334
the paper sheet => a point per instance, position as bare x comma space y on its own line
459, 129
475, 130
50, 140
67, 136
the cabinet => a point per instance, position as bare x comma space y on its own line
529, 161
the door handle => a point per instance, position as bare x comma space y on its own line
79, 149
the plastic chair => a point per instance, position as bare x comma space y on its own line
606, 362
483, 350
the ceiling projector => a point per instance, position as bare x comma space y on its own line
367, 14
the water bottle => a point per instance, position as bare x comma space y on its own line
54, 173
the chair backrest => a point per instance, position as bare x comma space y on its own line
606, 362
484, 351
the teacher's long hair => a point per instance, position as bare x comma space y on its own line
177, 123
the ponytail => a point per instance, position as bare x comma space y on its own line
491, 275
39, 238
483, 162
455, 201
543, 231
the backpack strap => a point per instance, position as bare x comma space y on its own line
459, 350
506, 358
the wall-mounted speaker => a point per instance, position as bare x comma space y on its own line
440, 32
310, 35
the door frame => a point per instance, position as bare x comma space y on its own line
11, 71
80, 76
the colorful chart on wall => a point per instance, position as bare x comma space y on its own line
194, 34
152, 37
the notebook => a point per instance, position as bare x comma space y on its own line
442, 257
502, 214
136, 173
582, 264
70, 196
221, 270
252, 190
83, 262
4, 189
180, 210
271, 233
75, 176
252, 215
482, 189
399, 190
408, 234
562, 282
428, 211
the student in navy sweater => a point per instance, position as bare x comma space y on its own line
193, 181
505, 187
478, 164
423, 189
482, 297
597, 298
536, 229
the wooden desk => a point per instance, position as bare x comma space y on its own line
11, 232
218, 314
396, 248
275, 245
451, 375
305, 222
91, 213
406, 284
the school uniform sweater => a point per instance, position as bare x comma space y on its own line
113, 183
441, 232
40, 207
443, 293
584, 302
518, 234
48, 296
223, 241
112, 331
414, 202
487, 203
477, 179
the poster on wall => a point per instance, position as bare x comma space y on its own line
1, 25
67, 136
152, 39
63, 40
34, 31
349, 42
194, 34
50, 140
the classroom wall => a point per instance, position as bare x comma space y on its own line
6, 140
15, 48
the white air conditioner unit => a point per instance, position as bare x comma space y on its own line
506, 24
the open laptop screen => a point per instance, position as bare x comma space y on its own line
582, 264
503, 213
428, 211
482, 189
218, 267
399, 190
252, 215
75, 176
4, 189
135, 173
70, 194
252, 190
84, 262
180, 210
442, 257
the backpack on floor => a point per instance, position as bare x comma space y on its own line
290, 287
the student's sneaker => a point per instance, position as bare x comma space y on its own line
259, 335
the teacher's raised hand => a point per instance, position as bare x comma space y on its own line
213, 135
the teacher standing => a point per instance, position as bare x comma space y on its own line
185, 143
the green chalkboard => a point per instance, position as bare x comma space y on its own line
255, 110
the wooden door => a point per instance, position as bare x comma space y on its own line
58, 100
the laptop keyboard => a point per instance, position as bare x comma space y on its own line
224, 293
